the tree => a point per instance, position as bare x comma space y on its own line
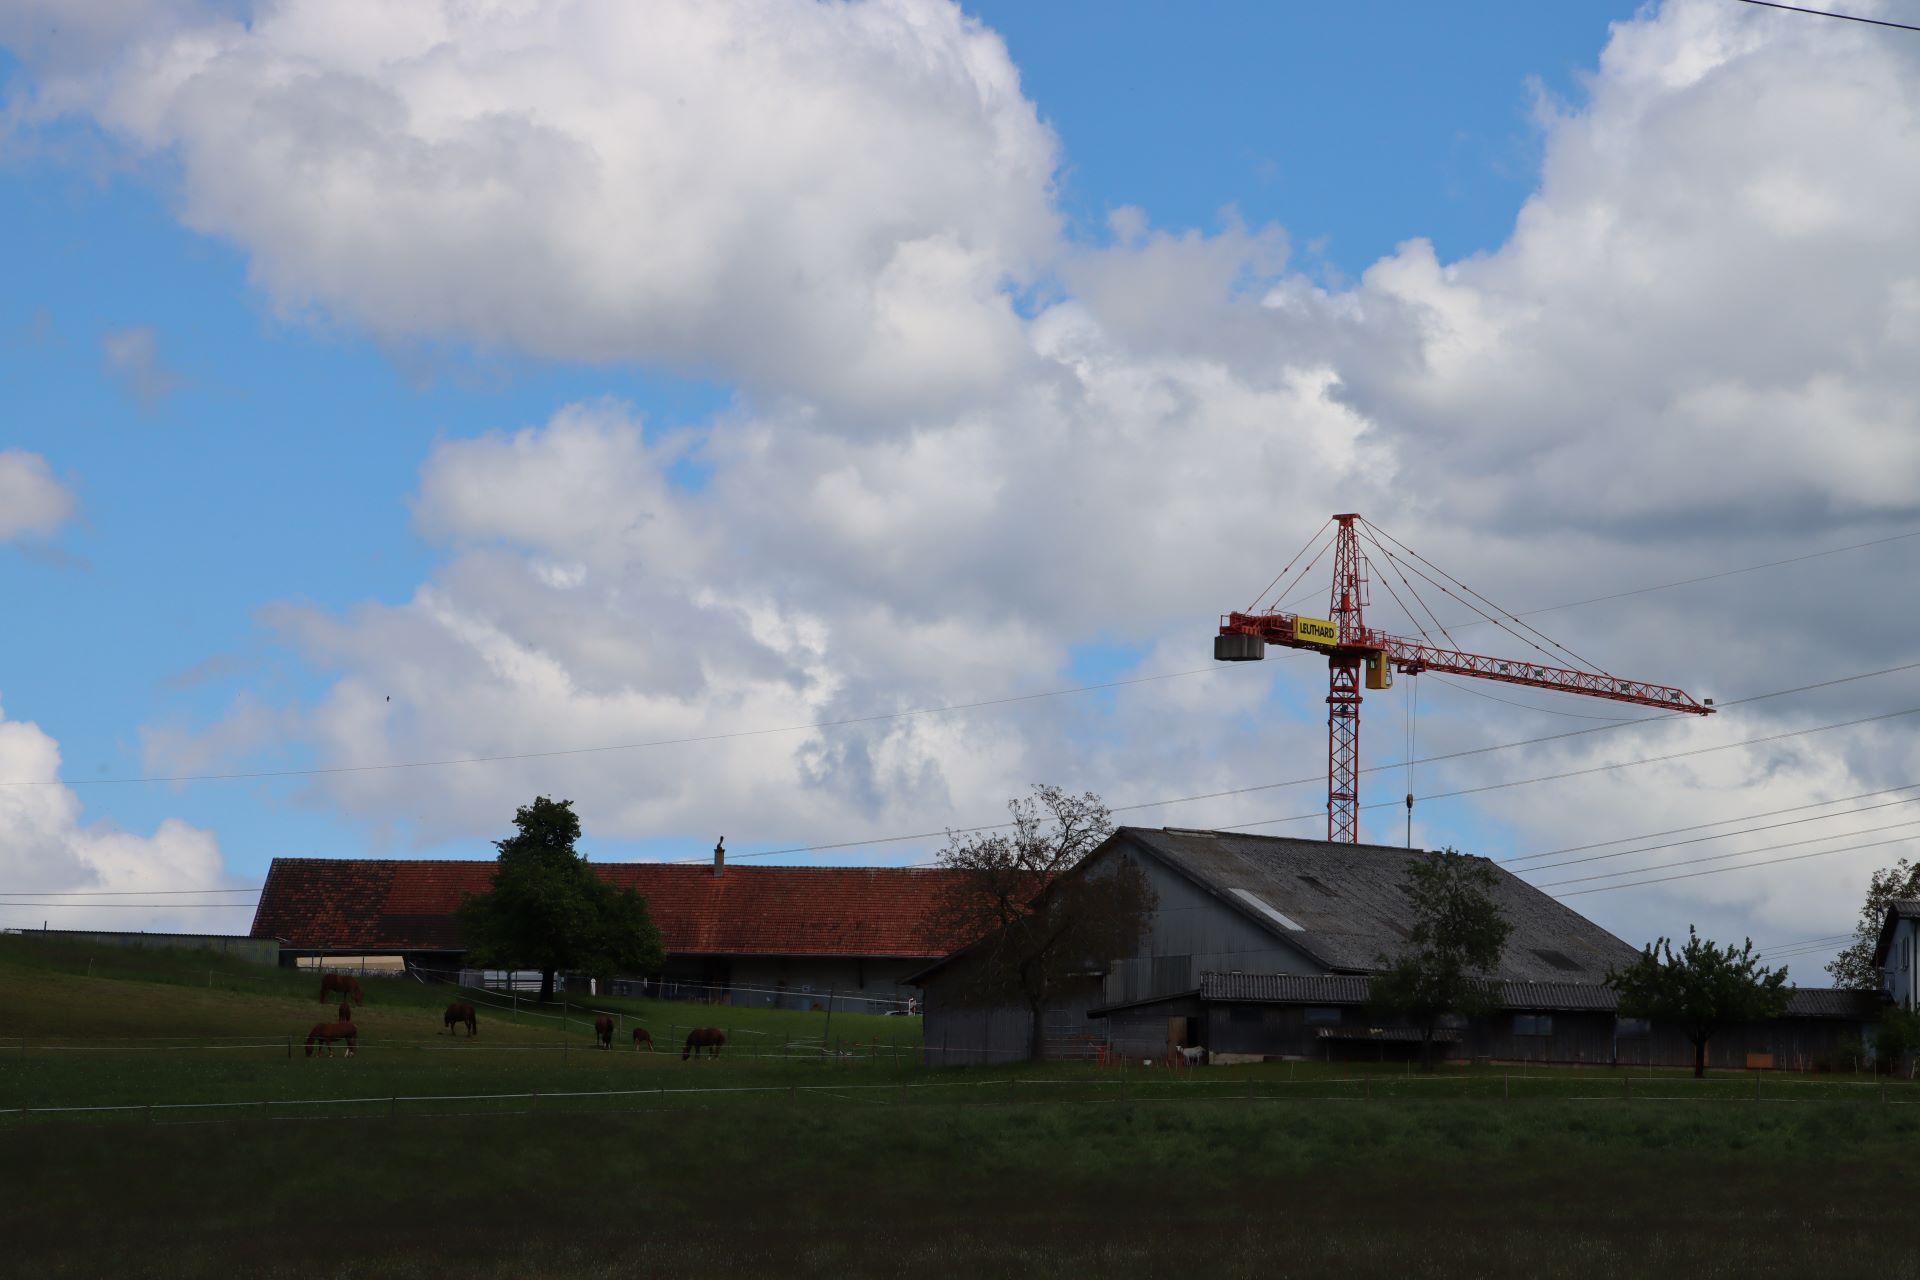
547, 910
1700, 990
1039, 920
1854, 967
1453, 946
1896, 1039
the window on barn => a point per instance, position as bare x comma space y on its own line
1244, 1013
1320, 1015
1533, 1024
1558, 959
1632, 1027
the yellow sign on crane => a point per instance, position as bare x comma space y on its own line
1315, 631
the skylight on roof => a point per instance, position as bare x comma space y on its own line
1253, 900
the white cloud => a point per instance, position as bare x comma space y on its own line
32, 501
132, 358
1693, 353
821, 199
47, 846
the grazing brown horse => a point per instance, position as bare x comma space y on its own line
708, 1038
345, 983
325, 1033
640, 1035
603, 1031
462, 1013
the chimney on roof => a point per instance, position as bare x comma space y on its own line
720, 858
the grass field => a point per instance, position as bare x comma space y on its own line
809, 1163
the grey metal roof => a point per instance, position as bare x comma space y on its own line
1570, 997
1834, 1002
1441, 1035
1350, 908
1284, 988
1567, 997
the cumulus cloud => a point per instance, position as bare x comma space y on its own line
1691, 354
32, 501
819, 199
47, 846
132, 358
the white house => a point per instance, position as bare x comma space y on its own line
1897, 954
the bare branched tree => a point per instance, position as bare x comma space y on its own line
1039, 921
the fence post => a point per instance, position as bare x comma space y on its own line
393, 1105
1504, 1095
289, 1048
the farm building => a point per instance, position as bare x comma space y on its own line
254, 950
1247, 1016
1897, 954
770, 936
1262, 946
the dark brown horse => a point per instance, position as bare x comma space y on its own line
457, 1014
344, 1013
345, 983
603, 1031
708, 1038
640, 1037
325, 1033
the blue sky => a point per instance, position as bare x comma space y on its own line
281, 464
259, 445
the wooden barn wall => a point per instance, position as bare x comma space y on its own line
961, 1035
1192, 932
1143, 1034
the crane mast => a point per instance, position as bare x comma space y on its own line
1357, 656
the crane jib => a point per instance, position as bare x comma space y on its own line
1351, 648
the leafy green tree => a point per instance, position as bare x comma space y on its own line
1457, 936
547, 910
1037, 925
1896, 1039
1701, 989
1854, 967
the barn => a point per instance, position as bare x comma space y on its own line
769, 936
1263, 946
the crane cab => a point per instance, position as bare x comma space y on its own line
1379, 670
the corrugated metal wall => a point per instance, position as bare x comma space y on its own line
1192, 932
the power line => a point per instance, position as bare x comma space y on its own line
1728, 857
109, 893
620, 746
1603, 768
1718, 822
1753, 866
1528, 706
138, 906
1674, 844
1825, 13
320, 771
1705, 577
1438, 795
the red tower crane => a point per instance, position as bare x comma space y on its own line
1352, 648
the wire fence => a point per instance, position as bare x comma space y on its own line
1008, 1090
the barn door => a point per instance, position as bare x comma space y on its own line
1177, 1033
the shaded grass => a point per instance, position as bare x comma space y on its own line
1401, 1188
1050, 1170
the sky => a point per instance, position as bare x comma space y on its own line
614, 391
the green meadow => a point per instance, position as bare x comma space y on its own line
814, 1151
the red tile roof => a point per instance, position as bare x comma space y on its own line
342, 904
